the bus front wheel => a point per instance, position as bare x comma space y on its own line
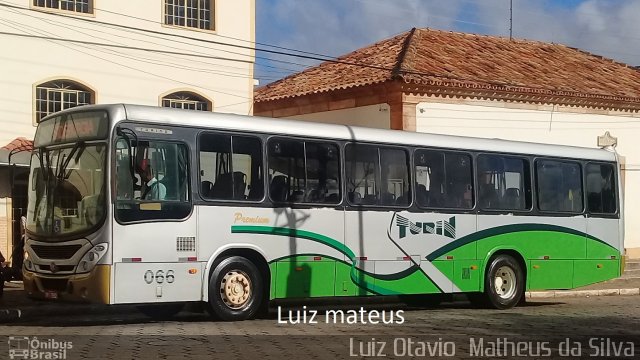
504, 282
235, 289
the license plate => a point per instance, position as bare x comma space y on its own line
50, 295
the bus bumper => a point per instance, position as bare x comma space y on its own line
90, 287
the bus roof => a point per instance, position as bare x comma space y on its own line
200, 119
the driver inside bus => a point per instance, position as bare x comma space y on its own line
152, 189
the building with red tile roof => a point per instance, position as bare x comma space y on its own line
458, 64
19, 144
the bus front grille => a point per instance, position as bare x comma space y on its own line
60, 268
61, 252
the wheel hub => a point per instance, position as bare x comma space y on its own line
235, 288
504, 282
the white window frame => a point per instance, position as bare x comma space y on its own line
58, 5
181, 13
65, 89
186, 100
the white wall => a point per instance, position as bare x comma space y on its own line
375, 116
123, 75
545, 124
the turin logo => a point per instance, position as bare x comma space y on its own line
440, 227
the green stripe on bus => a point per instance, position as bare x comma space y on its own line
394, 284
509, 229
408, 281
281, 231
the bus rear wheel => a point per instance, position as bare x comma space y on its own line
235, 289
504, 282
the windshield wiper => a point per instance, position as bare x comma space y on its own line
62, 169
44, 170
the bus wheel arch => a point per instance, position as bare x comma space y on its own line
248, 272
506, 266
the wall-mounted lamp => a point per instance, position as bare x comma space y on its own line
607, 140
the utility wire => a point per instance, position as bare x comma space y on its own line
54, 38
165, 35
123, 65
344, 62
76, 27
222, 36
155, 61
277, 52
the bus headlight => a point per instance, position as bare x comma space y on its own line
91, 258
27, 262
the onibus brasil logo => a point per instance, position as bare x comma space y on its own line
440, 227
25, 347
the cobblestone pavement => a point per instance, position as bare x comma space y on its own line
122, 333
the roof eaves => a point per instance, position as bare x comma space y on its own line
319, 91
445, 83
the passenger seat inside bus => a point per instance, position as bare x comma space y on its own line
370, 199
296, 196
387, 198
332, 198
279, 188
512, 199
422, 195
489, 197
355, 197
230, 186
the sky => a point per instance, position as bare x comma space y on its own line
609, 28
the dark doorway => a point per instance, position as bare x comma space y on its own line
19, 201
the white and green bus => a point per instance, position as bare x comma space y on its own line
159, 207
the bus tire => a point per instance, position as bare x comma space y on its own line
161, 311
504, 282
235, 289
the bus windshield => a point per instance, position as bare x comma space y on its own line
68, 173
66, 189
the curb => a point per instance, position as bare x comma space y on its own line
28, 312
581, 293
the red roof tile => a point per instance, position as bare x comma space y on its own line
452, 59
19, 144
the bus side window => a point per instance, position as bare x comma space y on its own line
304, 171
457, 180
230, 167
559, 185
443, 179
286, 169
503, 183
394, 166
362, 174
600, 188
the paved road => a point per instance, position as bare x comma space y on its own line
613, 322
